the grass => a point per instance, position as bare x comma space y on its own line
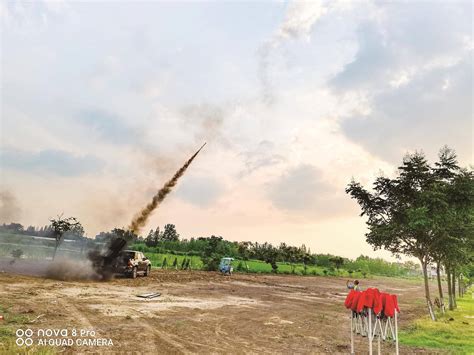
157, 260
8, 326
452, 335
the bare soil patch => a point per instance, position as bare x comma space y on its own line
201, 312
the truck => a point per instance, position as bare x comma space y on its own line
225, 266
131, 262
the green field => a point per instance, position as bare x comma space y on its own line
157, 260
254, 266
452, 331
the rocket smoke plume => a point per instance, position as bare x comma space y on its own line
141, 218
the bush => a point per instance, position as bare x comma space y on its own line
17, 253
212, 263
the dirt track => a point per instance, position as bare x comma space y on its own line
203, 312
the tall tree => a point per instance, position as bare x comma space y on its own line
60, 226
169, 233
455, 219
149, 240
426, 212
157, 235
398, 213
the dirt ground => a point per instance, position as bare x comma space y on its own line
202, 312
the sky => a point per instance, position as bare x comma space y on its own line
101, 102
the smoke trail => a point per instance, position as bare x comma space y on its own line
141, 218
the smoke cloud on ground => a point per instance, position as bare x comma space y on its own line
9, 208
58, 269
68, 270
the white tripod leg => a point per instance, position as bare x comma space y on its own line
396, 334
352, 332
369, 313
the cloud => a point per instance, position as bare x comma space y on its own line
371, 63
303, 190
200, 191
351, 87
30, 16
261, 157
50, 161
108, 126
414, 71
423, 114
301, 18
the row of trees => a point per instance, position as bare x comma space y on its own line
169, 234
427, 212
212, 249
18, 228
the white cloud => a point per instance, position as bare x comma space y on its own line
352, 86
300, 18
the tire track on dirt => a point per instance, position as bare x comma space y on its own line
76, 313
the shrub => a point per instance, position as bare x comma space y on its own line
211, 263
17, 253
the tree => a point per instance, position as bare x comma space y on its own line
337, 261
15, 228
214, 251
16, 253
149, 240
453, 192
306, 260
60, 226
399, 213
244, 252
157, 236
270, 256
170, 234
